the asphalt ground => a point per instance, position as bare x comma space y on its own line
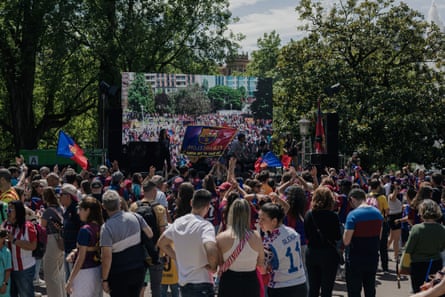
386, 285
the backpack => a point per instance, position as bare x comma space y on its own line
42, 238
145, 210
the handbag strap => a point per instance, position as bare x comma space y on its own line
235, 253
322, 237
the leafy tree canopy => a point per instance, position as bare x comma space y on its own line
264, 60
191, 100
389, 62
140, 97
224, 97
54, 53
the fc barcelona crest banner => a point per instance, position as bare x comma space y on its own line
206, 141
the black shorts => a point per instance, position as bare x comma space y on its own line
391, 220
239, 284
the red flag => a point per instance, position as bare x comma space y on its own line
319, 133
286, 160
257, 165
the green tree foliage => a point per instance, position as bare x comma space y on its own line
191, 100
224, 97
163, 104
46, 80
389, 63
262, 106
140, 95
54, 53
264, 60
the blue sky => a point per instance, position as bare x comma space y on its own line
263, 16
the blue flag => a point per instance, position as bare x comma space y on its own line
67, 148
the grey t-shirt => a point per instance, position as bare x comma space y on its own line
122, 230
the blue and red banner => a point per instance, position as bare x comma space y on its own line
320, 140
206, 141
268, 160
67, 148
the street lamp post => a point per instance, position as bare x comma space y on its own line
304, 125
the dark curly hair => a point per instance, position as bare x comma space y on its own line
297, 201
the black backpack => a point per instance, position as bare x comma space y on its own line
145, 210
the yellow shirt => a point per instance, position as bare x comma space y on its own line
382, 203
170, 273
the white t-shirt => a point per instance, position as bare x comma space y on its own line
161, 198
395, 206
189, 233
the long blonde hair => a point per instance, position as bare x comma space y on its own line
239, 218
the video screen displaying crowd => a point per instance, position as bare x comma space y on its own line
229, 230
135, 128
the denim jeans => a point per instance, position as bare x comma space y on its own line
155, 279
198, 290
68, 267
22, 282
174, 289
37, 270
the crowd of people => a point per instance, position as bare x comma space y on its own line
136, 128
197, 234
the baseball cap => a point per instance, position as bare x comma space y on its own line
44, 169
71, 190
176, 183
103, 170
96, 184
224, 186
157, 179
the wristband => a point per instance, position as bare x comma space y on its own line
105, 280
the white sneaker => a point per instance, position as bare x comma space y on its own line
39, 282
38, 294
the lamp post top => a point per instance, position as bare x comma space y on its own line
304, 126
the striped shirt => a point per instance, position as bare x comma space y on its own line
9, 195
21, 259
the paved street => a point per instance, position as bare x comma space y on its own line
386, 285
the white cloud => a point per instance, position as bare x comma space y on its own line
256, 19
284, 21
240, 3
